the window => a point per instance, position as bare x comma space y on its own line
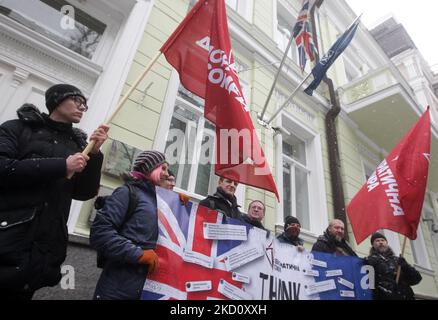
82, 34
283, 35
242, 7
295, 180
190, 145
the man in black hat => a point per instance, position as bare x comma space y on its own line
38, 152
292, 229
385, 265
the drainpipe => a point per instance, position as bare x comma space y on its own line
332, 140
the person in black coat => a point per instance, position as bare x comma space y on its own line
255, 215
224, 200
128, 244
38, 152
385, 265
292, 229
332, 241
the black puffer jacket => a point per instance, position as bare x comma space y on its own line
328, 244
33, 152
220, 201
385, 267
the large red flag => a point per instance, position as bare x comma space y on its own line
200, 50
393, 196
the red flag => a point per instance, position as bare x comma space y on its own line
393, 196
200, 50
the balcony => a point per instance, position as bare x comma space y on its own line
383, 105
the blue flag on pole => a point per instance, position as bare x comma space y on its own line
335, 51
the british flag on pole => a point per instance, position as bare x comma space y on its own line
303, 34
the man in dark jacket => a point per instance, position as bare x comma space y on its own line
37, 154
332, 241
292, 229
224, 200
128, 244
255, 215
385, 265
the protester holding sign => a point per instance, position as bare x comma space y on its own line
332, 241
128, 243
385, 264
292, 229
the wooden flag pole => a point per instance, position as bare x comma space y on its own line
90, 146
397, 278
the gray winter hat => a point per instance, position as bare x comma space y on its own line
147, 161
56, 94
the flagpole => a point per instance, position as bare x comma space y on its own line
90, 145
289, 99
397, 278
277, 76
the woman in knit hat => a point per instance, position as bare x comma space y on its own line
128, 244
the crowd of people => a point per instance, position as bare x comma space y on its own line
42, 169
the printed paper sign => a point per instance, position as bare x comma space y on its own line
197, 258
321, 287
318, 263
311, 273
215, 231
163, 289
241, 278
333, 273
240, 258
347, 294
232, 292
195, 286
346, 283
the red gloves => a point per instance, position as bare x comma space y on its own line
150, 258
184, 198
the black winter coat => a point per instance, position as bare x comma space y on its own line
385, 267
35, 196
328, 244
221, 202
283, 238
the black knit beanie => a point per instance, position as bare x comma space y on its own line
147, 161
56, 94
377, 235
290, 220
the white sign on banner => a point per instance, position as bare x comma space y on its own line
195, 286
346, 283
198, 258
215, 231
322, 286
232, 292
347, 294
240, 258
333, 273
241, 278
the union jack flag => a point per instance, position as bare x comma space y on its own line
181, 231
302, 33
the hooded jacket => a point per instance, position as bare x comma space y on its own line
35, 196
385, 266
328, 244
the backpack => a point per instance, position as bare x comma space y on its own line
132, 205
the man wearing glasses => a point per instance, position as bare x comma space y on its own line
38, 154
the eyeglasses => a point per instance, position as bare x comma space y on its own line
80, 103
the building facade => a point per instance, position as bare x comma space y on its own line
378, 103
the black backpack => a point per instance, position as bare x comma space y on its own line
132, 205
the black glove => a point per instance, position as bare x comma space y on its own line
402, 262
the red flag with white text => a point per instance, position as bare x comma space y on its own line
393, 196
201, 52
